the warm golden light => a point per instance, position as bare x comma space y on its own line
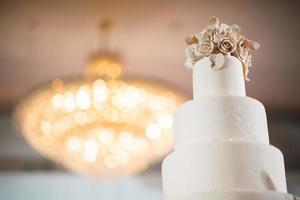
90, 150
153, 131
165, 121
100, 126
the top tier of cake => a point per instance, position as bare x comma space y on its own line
213, 45
228, 80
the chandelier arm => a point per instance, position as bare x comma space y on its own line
105, 27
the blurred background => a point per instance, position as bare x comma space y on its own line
43, 40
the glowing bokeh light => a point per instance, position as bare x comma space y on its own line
100, 126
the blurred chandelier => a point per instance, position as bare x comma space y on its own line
102, 125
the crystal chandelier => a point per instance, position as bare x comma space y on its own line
101, 125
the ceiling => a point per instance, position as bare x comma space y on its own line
41, 40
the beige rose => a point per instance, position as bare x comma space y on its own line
241, 51
243, 55
193, 54
214, 36
227, 45
217, 40
225, 30
206, 47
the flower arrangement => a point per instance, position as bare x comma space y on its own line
217, 40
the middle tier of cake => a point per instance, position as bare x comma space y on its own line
220, 118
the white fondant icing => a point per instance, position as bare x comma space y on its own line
226, 81
222, 118
219, 166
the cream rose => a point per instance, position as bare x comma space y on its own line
193, 54
243, 55
206, 47
242, 52
214, 35
217, 40
227, 45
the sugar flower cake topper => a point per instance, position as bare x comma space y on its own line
217, 40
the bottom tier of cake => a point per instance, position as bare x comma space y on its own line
223, 166
239, 195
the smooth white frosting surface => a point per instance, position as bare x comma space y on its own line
220, 118
219, 166
228, 80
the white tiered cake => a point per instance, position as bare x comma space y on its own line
222, 149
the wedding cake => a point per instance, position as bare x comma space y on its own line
222, 149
